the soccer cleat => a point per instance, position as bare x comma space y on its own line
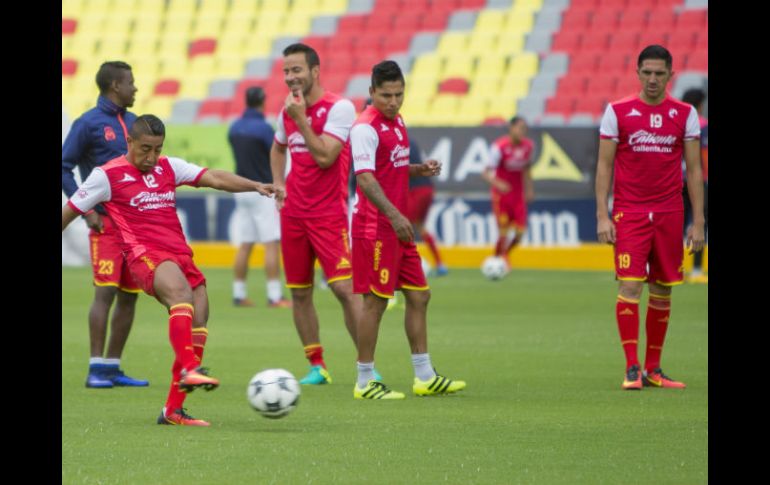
633, 379
97, 380
657, 378
377, 376
436, 385
181, 418
317, 375
282, 303
119, 378
376, 390
195, 378
243, 302
442, 270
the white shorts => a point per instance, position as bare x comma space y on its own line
255, 219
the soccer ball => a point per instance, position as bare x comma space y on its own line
494, 268
273, 393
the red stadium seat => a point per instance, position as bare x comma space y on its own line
582, 64
358, 102
614, 62
697, 61
368, 41
202, 46
214, 107
351, 23
623, 41
605, 20
568, 41
363, 61
650, 38
317, 42
435, 21
592, 4
661, 20
616, 4
595, 40
336, 83
472, 4
681, 40
68, 26
572, 86
633, 19
444, 6
343, 42
69, 67
669, 4
692, 19
601, 85
627, 86
590, 104
702, 39
378, 24
405, 23
396, 42
494, 121
560, 105
576, 19
166, 87
453, 86
339, 63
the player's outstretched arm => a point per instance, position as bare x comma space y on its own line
696, 233
230, 182
605, 229
373, 191
428, 168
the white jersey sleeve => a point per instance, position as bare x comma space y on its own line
184, 172
280, 130
363, 146
495, 155
609, 125
94, 190
340, 119
692, 131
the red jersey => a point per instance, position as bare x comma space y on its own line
142, 204
312, 191
650, 141
381, 146
509, 161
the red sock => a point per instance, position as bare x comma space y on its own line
627, 313
500, 246
658, 311
199, 336
175, 398
315, 354
180, 333
512, 245
431, 242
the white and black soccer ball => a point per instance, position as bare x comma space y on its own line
273, 393
494, 268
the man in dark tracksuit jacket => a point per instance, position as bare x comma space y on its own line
95, 138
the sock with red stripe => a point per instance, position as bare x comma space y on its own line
431, 242
627, 314
199, 336
315, 354
180, 334
175, 398
658, 312
500, 246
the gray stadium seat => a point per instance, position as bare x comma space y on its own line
696, 4
552, 120
544, 85
582, 119
499, 3
184, 111
539, 41
258, 67
325, 25
422, 43
281, 43
462, 20
531, 107
222, 88
548, 19
556, 3
555, 64
360, 6
404, 61
687, 80
358, 86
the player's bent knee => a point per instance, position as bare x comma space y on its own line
631, 289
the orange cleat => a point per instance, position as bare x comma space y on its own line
657, 378
633, 379
180, 418
197, 378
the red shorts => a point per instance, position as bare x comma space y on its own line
383, 266
510, 209
143, 269
305, 239
107, 261
649, 247
418, 203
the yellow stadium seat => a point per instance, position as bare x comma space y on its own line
172, 67
458, 65
86, 73
243, 8
509, 43
444, 107
258, 45
490, 20
481, 43
281, 6
66, 86
504, 108
77, 104
237, 25
422, 86
307, 6
71, 8
484, 86
527, 5
160, 106
296, 25
470, 111
182, 6
144, 69
112, 48
333, 6
229, 67
427, 65
147, 24
97, 6
171, 47
148, 7
517, 87
452, 43
67, 51
519, 22
206, 26
524, 64
180, 23
490, 65
269, 22
90, 23
143, 46
196, 87
114, 24
231, 44
212, 8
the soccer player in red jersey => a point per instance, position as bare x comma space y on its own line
314, 127
511, 184
385, 257
138, 190
644, 138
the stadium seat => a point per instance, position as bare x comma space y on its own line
489, 20
633, 19
458, 65
623, 41
601, 85
614, 62
576, 20
692, 20
435, 21
659, 37
627, 86
616, 4
453, 86
697, 61
397, 42
702, 40
681, 40
572, 86
592, 4
525, 64
661, 20
68, 26
69, 67
595, 40
566, 41
481, 43
166, 87
519, 22
605, 20
509, 43
452, 42
218, 107
560, 105
202, 47
582, 64
592, 105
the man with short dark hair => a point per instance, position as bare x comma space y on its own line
644, 138
385, 257
99, 135
255, 218
138, 190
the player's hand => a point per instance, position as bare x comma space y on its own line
430, 168
696, 237
94, 221
403, 227
295, 105
280, 196
605, 230
265, 189
501, 185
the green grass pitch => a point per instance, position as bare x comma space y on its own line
540, 352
